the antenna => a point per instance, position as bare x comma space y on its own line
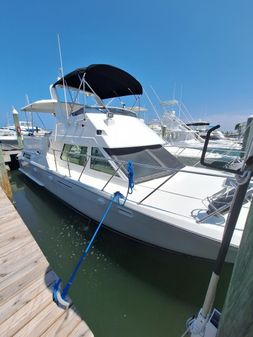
60, 54
154, 108
62, 73
29, 113
180, 100
159, 99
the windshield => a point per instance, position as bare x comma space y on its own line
159, 162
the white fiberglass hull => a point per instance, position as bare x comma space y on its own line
128, 220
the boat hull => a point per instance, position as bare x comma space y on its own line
125, 219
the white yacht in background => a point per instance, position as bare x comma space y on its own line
8, 134
84, 162
186, 141
217, 138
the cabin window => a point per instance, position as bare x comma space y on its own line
74, 154
99, 162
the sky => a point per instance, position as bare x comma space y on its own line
197, 51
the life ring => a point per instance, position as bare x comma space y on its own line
18, 130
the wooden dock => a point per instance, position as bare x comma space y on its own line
26, 279
10, 151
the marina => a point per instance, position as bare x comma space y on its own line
133, 186
126, 169
26, 281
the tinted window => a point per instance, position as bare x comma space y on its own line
74, 154
99, 162
150, 162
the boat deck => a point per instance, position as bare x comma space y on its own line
26, 280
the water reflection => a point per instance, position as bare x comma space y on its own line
124, 288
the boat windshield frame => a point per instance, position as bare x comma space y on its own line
150, 162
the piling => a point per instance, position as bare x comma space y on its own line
17, 127
236, 318
164, 131
248, 135
4, 178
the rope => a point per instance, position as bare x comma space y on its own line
130, 169
116, 198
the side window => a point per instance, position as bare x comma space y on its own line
99, 162
74, 154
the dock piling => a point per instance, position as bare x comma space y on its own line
17, 127
4, 179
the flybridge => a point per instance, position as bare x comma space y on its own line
103, 80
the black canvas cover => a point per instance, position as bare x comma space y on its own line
105, 80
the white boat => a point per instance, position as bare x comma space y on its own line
8, 134
217, 138
83, 162
187, 143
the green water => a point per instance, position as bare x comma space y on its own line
124, 288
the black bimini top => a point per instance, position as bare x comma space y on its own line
105, 80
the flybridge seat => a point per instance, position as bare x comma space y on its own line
220, 202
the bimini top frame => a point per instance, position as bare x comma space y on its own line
105, 81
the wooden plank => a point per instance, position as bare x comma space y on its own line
81, 330
13, 255
12, 266
8, 212
10, 234
15, 236
15, 244
27, 271
26, 313
9, 215
36, 327
14, 303
13, 222
8, 220
64, 325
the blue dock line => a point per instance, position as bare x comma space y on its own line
130, 170
60, 298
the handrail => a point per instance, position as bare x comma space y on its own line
168, 169
55, 162
164, 182
68, 165
82, 172
122, 163
112, 176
